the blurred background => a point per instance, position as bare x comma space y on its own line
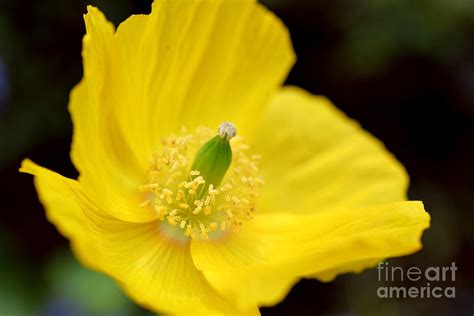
403, 68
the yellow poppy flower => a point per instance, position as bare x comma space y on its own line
190, 220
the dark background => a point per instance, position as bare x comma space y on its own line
404, 69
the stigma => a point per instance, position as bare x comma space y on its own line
201, 184
227, 130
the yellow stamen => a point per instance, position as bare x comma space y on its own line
182, 198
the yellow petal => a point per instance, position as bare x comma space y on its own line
193, 63
261, 263
325, 160
109, 169
58, 196
155, 270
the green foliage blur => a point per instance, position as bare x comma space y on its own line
377, 32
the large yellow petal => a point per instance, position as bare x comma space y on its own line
155, 270
323, 159
261, 263
195, 62
58, 196
186, 64
109, 169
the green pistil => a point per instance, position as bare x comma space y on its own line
214, 157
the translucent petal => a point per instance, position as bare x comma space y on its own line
157, 272
324, 159
258, 265
109, 170
59, 198
193, 63
186, 64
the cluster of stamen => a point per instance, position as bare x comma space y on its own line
182, 198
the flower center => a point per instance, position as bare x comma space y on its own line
213, 194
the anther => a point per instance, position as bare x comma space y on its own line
190, 197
